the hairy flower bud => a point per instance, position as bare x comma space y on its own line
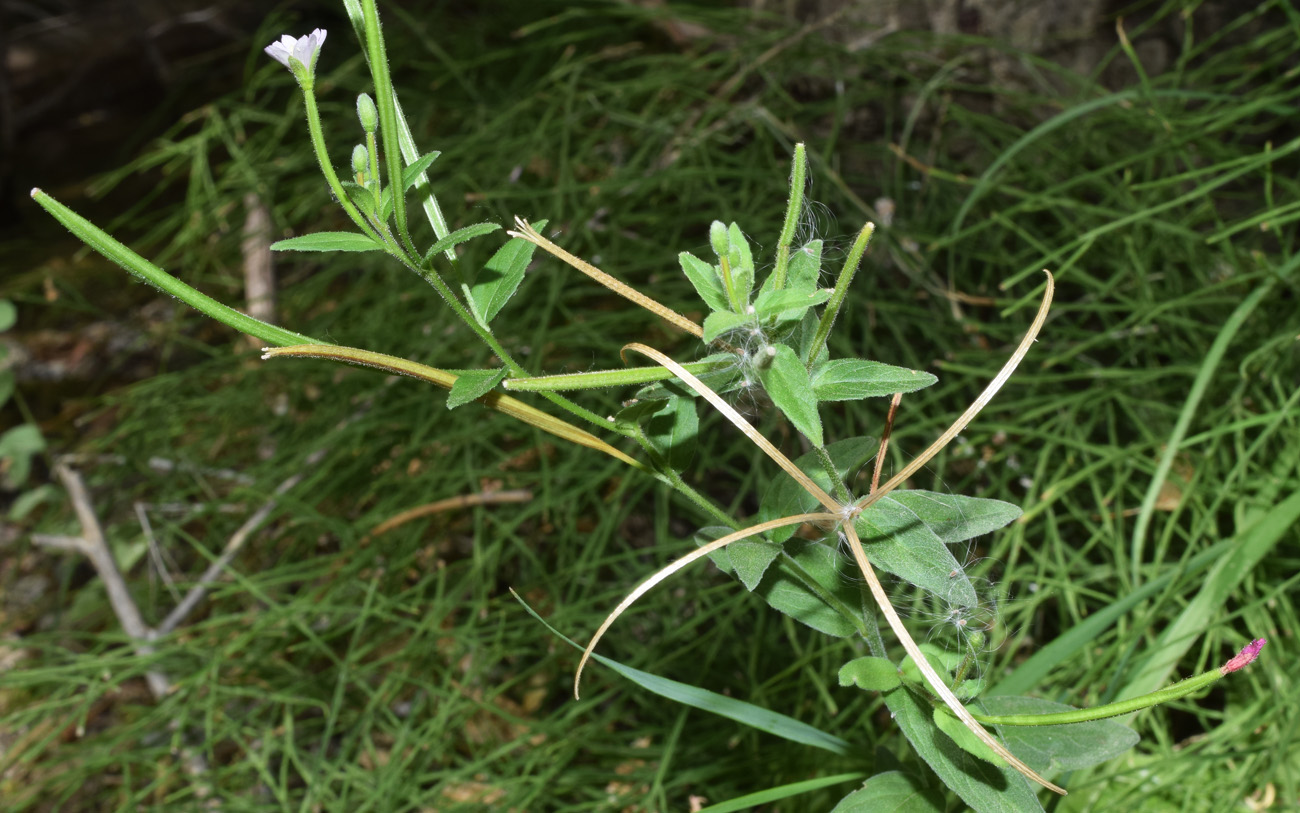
367, 113
360, 161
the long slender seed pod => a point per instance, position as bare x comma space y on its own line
645, 586
527, 232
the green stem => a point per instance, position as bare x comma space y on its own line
327, 168
607, 378
1179, 689
837, 483
104, 243
702, 502
724, 265
798, 178
385, 101
516, 370
374, 171
841, 290
409, 151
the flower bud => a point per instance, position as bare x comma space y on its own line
360, 162
367, 113
718, 237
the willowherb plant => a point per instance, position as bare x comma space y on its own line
770, 334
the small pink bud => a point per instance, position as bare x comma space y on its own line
1247, 655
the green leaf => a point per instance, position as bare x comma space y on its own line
753, 801
984, 787
501, 275
704, 278
872, 674
29, 498
898, 540
742, 263
750, 560
943, 661
969, 689
17, 448
965, 738
328, 241
854, 379
1058, 747
723, 321
459, 236
803, 337
635, 414
412, 171
472, 384
787, 384
784, 589
672, 430
890, 792
410, 175
805, 270
780, 725
721, 558
362, 197
8, 315
956, 518
788, 305
6, 385
803, 273
784, 497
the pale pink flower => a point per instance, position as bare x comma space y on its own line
302, 49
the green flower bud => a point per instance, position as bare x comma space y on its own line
718, 237
360, 162
367, 113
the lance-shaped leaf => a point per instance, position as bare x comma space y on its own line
470, 385
742, 262
412, 173
804, 271
500, 276
897, 540
808, 584
983, 786
855, 379
328, 241
747, 560
956, 517
460, 236
673, 430
891, 792
724, 321
871, 673
705, 279
786, 381
788, 304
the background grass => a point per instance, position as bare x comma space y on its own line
338, 673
